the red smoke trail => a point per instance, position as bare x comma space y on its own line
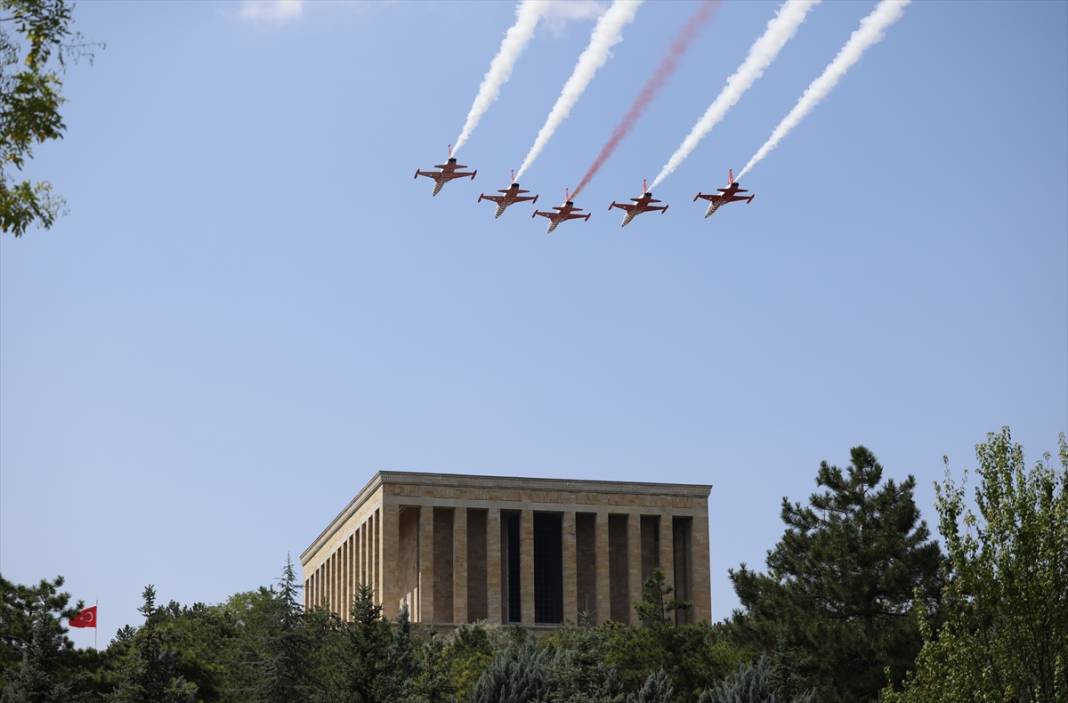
652, 86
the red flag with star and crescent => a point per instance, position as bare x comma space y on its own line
86, 618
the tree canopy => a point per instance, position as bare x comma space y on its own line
36, 43
835, 605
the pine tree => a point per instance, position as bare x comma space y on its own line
148, 671
284, 678
835, 606
656, 606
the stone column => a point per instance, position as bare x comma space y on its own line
493, 565
667, 551
364, 544
390, 537
333, 582
459, 565
345, 561
634, 563
604, 593
702, 592
376, 556
570, 568
526, 566
426, 564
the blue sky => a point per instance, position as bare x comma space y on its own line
251, 306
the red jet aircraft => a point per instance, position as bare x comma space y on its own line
725, 195
642, 204
563, 213
511, 197
449, 170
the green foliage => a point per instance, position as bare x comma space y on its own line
468, 654
656, 689
30, 99
1005, 607
835, 605
431, 682
656, 607
517, 676
38, 661
751, 683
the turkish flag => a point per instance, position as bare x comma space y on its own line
86, 618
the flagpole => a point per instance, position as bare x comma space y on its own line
95, 623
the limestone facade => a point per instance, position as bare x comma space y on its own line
527, 551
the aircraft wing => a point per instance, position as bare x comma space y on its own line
495, 198
624, 206
523, 199
711, 197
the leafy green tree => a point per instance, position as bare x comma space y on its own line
32, 60
468, 653
751, 683
1005, 606
835, 606
431, 682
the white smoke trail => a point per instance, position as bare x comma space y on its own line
781, 29
869, 33
527, 14
607, 33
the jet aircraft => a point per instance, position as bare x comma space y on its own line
512, 195
449, 170
725, 195
563, 213
640, 205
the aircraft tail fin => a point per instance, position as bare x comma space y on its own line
730, 176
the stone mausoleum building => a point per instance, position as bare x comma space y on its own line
528, 551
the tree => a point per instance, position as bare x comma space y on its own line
751, 683
146, 670
355, 659
835, 605
517, 676
656, 689
656, 607
284, 678
31, 64
38, 661
1005, 606
431, 682
469, 653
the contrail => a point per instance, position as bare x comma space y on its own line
869, 33
781, 29
607, 33
527, 14
652, 86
